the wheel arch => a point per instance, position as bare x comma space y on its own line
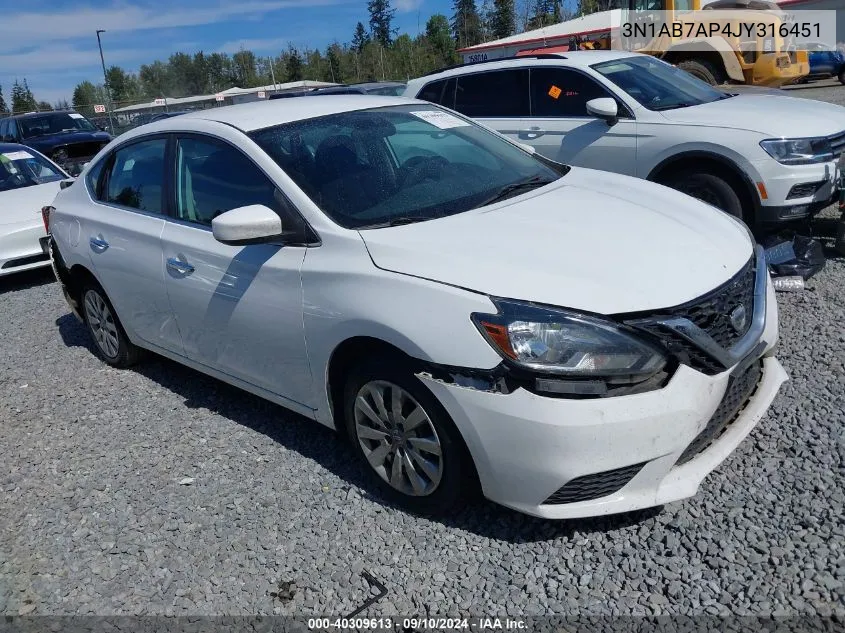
702, 160
708, 49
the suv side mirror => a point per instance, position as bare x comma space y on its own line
252, 224
604, 108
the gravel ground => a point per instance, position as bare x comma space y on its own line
160, 491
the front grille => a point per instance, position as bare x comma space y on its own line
81, 150
594, 486
711, 313
837, 142
804, 190
739, 391
25, 261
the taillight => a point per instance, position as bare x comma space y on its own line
45, 216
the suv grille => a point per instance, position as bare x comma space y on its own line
594, 486
739, 391
837, 142
711, 313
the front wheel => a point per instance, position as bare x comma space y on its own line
704, 70
110, 339
405, 437
712, 189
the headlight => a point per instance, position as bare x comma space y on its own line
798, 151
566, 343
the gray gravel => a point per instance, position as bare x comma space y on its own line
160, 491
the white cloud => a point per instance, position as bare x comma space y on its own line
406, 6
60, 58
21, 29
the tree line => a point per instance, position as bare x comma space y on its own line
375, 51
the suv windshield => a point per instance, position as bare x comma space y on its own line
656, 84
23, 168
54, 123
401, 164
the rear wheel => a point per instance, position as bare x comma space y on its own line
704, 70
842, 76
712, 189
405, 437
110, 339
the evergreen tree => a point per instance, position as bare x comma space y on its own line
503, 19
18, 98
381, 16
360, 38
294, 67
440, 40
31, 103
466, 24
3, 107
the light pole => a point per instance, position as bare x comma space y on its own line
106, 79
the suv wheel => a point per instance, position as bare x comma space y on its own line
110, 339
405, 437
842, 76
704, 70
712, 189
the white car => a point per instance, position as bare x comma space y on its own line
764, 158
28, 182
403, 275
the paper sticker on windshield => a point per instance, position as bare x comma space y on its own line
555, 92
17, 155
75, 115
440, 119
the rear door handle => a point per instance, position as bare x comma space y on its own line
178, 266
532, 132
98, 244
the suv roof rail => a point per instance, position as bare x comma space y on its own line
500, 59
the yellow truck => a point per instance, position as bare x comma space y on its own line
708, 43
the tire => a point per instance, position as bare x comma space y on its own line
842, 76
110, 340
839, 240
704, 70
445, 479
710, 188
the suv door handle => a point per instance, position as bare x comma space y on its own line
178, 266
532, 132
98, 244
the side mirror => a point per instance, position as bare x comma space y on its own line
252, 224
604, 108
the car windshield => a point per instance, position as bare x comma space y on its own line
401, 164
54, 123
22, 168
656, 84
388, 91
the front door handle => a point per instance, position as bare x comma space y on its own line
532, 133
178, 266
98, 244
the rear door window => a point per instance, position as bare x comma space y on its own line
136, 176
500, 93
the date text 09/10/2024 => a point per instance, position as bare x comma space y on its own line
417, 623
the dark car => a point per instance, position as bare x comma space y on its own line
825, 62
68, 138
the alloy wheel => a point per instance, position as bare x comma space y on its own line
101, 323
398, 438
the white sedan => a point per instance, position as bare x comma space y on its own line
28, 182
575, 342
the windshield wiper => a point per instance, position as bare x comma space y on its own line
518, 187
397, 222
671, 106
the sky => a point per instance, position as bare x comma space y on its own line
54, 44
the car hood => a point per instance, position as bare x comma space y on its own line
770, 114
23, 206
591, 241
46, 143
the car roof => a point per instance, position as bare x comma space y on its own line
12, 147
24, 115
257, 115
571, 59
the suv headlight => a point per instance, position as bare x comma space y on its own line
798, 151
556, 341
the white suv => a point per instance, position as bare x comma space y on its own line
412, 279
761, 157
